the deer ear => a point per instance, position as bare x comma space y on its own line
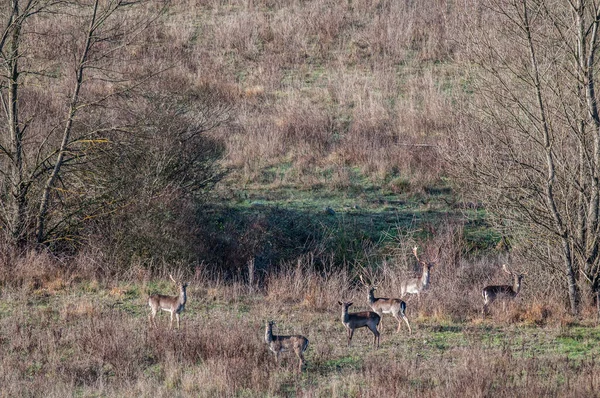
340, 303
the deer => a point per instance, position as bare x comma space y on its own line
358, 320
279, 344
173, 304
384, 305
417, 285
493, 292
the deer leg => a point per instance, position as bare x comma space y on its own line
486, 302
177, 317
375, 334
405, 318
350, 334
395, 314
152, 317
171, 323
301, 357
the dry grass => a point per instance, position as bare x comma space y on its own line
318, 85
94, 339
318, 80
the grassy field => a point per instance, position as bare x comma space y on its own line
66, 332
334, 115
366, 223
73, 338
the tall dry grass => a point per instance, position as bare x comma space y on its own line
329, 84
95, 339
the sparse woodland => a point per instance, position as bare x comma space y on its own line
241, 162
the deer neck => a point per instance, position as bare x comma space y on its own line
268, 334
371, 297
345, 315
516, 285
182, 296
425, 276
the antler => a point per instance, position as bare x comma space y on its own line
437, 257
508, 271
368, 277
415, 253
362, 280
170, 276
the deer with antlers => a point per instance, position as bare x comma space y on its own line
417, 285
278, 344
494, 292
173, 304
384, 305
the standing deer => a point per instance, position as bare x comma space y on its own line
173, 304
493, 292
278, 344
359, 320
394, 306
384, 305
417, 285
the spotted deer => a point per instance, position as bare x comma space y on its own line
384, 305
173, 304
417, 285
358, 320
507, 292
278, 344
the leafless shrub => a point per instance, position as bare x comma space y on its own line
30, 269
303, 284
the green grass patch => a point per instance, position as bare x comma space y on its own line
343, 221
579, 342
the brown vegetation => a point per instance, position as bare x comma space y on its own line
330, 92
93, 338
208, 98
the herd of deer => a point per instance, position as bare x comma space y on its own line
351, 321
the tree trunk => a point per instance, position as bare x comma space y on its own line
45, 200
552, 207
18, 187
571, 278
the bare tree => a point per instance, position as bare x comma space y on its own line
42, 144
529, 146
72, 81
